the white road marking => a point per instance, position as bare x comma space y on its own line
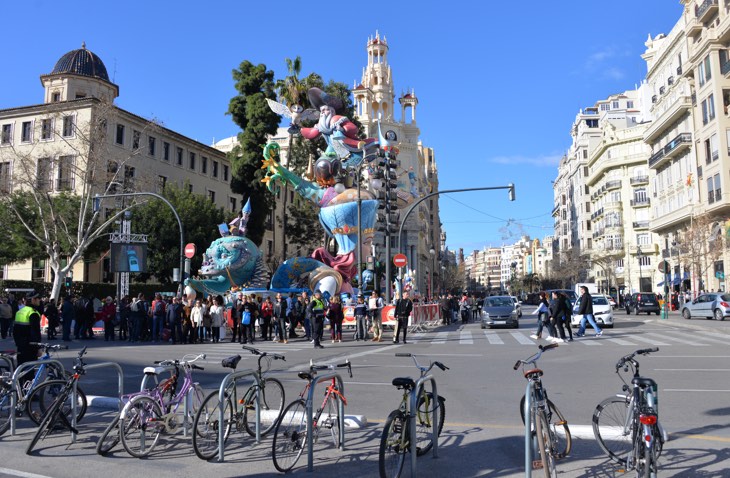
639, 338
22, 474
676, 339
440, 338
619, 341
493, 337
522, 339
465, 338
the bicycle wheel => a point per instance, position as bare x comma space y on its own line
611, 430
290, 436
206, 425
562, 439
42, 396
46, 426
330, 418
424, 421
5, 409
272, 404
544, 445
393, 445
110, 438
140, 426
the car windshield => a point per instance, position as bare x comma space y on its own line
499, 302
600, 301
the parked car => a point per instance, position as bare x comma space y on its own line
714, 304
518, 305
602, 311
643, 302
499, 311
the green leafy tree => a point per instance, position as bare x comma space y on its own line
250, 111
200, 217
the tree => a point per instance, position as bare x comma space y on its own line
700, 245
569, 267
531, 281
63, 225
200, 217
607, 263
453, 278
250, 111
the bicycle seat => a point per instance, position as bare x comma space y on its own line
643, 382
152, 370
305, 375
231, 362
405, 382
534, 371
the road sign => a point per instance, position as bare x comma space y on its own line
720, 275
400, 260
190, 250
664, 267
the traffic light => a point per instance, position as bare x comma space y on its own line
68, 281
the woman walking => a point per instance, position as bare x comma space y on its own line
216, 319
543, 317
336, 315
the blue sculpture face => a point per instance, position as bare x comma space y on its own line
231, 252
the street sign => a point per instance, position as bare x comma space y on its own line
664, 267
400, 260
720, 275
190, 250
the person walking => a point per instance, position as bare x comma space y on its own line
108, 314
543, 317
445, 306
6, 317
361, 314
51, 313
266, 320
248, 318
158, 317
27, 329
464, 308
279, 313
586, 310
375, 307
216, 319
336, 316
67, 317
316, 312
566, 319
403, 309
306, 315
556, 314
139, 311
174, 320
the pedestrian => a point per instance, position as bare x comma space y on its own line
248, 318
307, 317
567, 318
27, 329
107, 315
297, 313
543, 317
216, 319
67, 317
6, 317
138, 311
51, 313
279, 313
236, 317
445, 310
158, 317
196, 318
361, 318
464, 308
403, 309
124, 318
266, 321
556, 314
291, 320
316, 311
586, 310
207, 332
336, 316
188, 331
375, 307
80, 311
175, 320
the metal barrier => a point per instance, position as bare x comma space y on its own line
9, 361
227, 380
188, 397
528, 428
412, 419
19, 372
340, 412
120, 387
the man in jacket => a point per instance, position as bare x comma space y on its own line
403, 309
586, 309
67, 316
174, 320
316, 312
6, 317
27, 328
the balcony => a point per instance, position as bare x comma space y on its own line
674, 148
555, 209
679, 70
694, 27
616, 228
662, 90
670, 80
706, 10
613, 205
636, 180
641, 202
597, 214
667, 113
640, 224
615, 184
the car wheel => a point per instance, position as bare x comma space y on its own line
719, 315
686, 314
657, 312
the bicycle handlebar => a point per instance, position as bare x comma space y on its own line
420, 367
346, 364
183, 361
630, 357
535, 357
50, 346
264, 354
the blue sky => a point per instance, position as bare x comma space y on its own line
499, 83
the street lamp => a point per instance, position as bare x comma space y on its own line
433, 255
638, 256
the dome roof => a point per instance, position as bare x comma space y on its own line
81, 62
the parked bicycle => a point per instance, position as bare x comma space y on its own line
6, 405
152, 412
290, 433
396, 438
240, 413
627, 425
551, 435
56, 415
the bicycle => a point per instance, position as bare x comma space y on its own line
152, 412
57, 413
36, 395
396, 438
290, 433
6, 394
549, 428
206, 425
626, 426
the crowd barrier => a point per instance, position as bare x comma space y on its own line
421, 314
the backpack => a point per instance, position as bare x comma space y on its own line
159, 308
135, 306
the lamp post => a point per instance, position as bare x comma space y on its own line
433, 255
638, 256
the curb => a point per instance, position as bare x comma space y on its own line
688, 325
112, 403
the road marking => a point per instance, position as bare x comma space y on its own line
691, 390
675, 339
465, 338
22, 474
440, 338
589, 342
648, 341
493, 337
619, 341
692, 369
711, 337
522, 339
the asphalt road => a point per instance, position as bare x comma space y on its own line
483, 435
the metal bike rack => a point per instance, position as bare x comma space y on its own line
187, 402
340, 412
9, 361
227, 380
19, 372
412, 419
120, 386
528, 428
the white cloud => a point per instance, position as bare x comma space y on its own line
551, 161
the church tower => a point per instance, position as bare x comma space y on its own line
374, 96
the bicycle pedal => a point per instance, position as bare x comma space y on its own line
537, 465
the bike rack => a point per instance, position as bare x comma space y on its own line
340, 412
9, 361
528, 428
120, 386
412, 419
186, 404
227, 380
19, 372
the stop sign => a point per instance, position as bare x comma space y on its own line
190, 250
400, 260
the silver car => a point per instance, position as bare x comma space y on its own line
499, 311
713, 304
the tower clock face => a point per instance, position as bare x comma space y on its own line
390, 135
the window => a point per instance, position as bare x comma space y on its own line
190, 188
166, 151
619, 262
43, 174
269, 220
629, 104
192, 161
643, 239
179, 156
232, 203
5, 179
714, 147
55, 97
135, 139
605, 107
26, 132
215, 169
46, 128
644, 261
151, 144
39, 270
7, 134
161, 183
64, 174
68, 126
614, 105
585, 154
640, 195
708, 152
711, 106
714, 194
120, 134
269, 248
211, 196
225, 172
204, 165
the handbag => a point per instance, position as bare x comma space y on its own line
246, 318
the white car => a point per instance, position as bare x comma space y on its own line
518, 305
602, 311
